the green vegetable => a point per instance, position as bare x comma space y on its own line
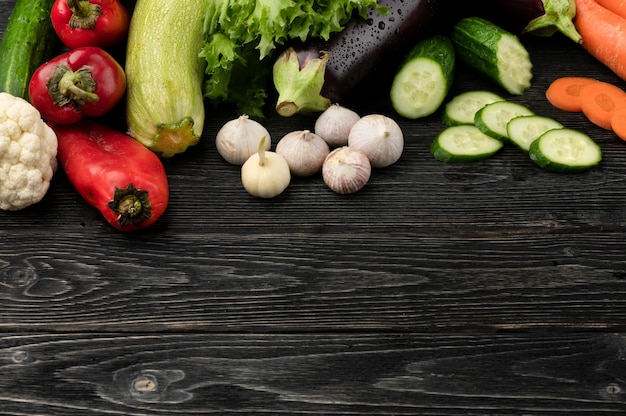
493, 118
494, 52
28, 41
424, 78
565, 150
242, 34
164, 73
463, 143
524, 130
462, 108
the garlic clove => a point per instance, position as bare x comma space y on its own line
304, 151
265, 174
238, 139
346, 170
334, 124
379, 137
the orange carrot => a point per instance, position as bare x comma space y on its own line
599, 99
616, 6
603, 33
564, 92
618, 122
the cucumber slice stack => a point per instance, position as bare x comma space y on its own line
497, 122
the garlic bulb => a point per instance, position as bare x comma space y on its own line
238, 139
346, 170
265, 174
379, 137
334, 124
304, 151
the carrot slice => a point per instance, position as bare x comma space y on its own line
564, 92
598, 100
618, 121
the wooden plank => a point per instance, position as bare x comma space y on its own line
384, 374
292, 282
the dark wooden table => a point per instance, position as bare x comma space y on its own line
491, 288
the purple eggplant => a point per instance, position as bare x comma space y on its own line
310, 76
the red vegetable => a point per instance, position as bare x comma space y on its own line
85, 81
102, 23
115, 173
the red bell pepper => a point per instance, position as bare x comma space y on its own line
78, 23
85, 81
113, 172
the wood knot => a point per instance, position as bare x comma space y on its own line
146, 383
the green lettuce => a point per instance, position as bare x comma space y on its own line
241, 36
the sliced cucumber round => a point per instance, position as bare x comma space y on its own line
565, 150
524, 130
493, 118
463, 143
462, 108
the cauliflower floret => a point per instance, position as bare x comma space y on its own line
28, 150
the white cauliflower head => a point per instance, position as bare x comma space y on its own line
28, 150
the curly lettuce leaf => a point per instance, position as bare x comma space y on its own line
241, 36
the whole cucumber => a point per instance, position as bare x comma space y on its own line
535, 17
28, 41
350, 55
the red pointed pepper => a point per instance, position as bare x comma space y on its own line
102, 23
85, 81
113, 172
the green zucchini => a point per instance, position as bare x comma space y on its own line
424, 78
494, 52
565, 150
28, 41
165, 74
462, 108
463, 143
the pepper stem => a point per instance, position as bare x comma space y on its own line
84, 14
131, 204
76, 87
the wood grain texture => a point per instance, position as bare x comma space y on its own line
233, 283
491, 288
395, 374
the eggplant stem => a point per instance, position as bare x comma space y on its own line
557, 15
